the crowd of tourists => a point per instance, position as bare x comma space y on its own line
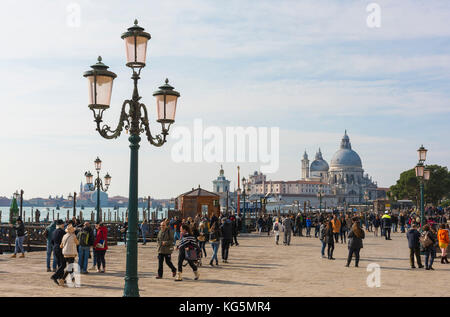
67, 241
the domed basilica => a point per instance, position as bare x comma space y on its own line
345, 174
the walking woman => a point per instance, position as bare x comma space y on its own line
69, 245
329, 238
214, 238
101, 245
187, 242
443, 240
322, 237
202, 237
20, 236
165, 247
355, 243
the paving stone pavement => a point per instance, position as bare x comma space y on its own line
257, 267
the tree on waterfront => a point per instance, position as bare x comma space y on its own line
435, 189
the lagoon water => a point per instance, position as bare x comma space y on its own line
86, 213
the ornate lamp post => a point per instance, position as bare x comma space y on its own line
422, 174
98, 184
319, 195
136, 121
244, 227
74, 198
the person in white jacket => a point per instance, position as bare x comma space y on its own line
69, 249
276, 228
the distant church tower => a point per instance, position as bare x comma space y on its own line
305, 166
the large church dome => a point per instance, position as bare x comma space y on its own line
345, 156
319, 164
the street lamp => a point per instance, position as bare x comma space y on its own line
74, 198
319, 195
136, 121
422, 174
98, 185
244, 227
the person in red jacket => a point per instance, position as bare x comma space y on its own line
101, 245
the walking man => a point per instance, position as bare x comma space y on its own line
413, 237
287, 228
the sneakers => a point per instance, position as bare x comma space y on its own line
178, 278
197, 275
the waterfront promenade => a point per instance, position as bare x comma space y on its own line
257, 267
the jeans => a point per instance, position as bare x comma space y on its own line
343, 234
59, 274
402, 228
330, 250
49, 254
414, 252
324, 244
350, 255
287, 237
161, 258
225, 247
101, 258
19, 245
215, 247
429, 261
181, 258
144, 233
176, 236
387, 233
202, 244
336, 236
308, 231
83, 256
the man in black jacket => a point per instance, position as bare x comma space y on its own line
226, 230
58, 235
414, 246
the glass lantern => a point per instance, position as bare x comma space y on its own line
166, 103
136, 45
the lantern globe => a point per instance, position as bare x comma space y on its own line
107, 179
420, 170
422, 153
426, 174
89, 178
166, 103
98, 164
100, 82
136, 45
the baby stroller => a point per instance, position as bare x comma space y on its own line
195, 254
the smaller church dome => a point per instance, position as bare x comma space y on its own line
319, 164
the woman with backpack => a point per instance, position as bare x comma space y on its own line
101, 245
276, 230
214, 239
429, 241
355, 243
187, 244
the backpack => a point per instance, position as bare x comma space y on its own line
83, 237
275, 227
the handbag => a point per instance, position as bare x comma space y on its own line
190, 254
425, 240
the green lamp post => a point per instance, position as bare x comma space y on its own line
244, 224
98, 184
134, 119
319, 195
422, 174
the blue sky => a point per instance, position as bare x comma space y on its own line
312, 68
